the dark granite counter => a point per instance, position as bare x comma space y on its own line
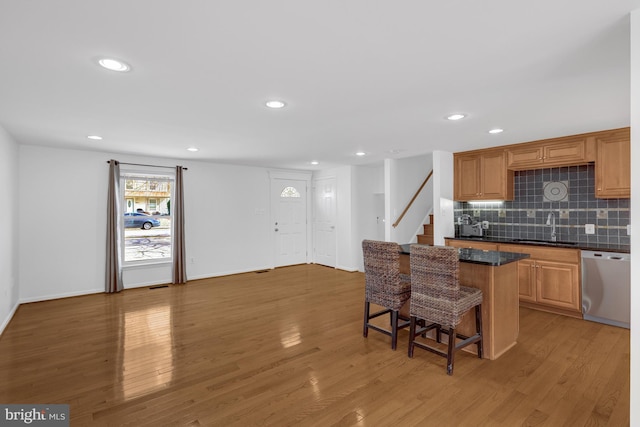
477, 256
570, 245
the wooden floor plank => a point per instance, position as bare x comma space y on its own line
285, 347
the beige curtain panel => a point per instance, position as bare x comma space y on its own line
179, 259
113, 276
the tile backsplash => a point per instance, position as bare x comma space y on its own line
525, 217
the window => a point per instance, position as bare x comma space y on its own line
147, 225
290, 192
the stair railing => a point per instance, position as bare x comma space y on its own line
415, 196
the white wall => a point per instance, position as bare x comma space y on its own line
9, 275
385, 189
346, 256
228, 209
443, 196
635, 214
406, 177
62, 217
368, 206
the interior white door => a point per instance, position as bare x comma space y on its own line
289, 221
324, 222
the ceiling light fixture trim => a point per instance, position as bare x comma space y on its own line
113, 64
456, 116
275, 104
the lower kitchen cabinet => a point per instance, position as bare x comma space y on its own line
550, 279
527, 280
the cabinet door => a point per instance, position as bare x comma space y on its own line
467, 177
524, 157
493, 177
613, 166
562, 152
527, 280
558, 284
565, 153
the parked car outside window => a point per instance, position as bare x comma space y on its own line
140, 220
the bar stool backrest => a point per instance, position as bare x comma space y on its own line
382, 274
435, 285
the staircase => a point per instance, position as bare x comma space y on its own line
427, 237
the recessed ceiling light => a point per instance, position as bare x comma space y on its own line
275, 104
360, 153
96, 137
114, 65
314, 162
496, 130
194, 149
456, 116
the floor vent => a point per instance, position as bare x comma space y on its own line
261, 271
158, 287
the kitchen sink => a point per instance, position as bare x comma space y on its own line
544, 242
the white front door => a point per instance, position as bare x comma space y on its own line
289, 221
324, 222
130, 205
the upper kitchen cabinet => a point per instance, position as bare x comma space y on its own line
482, 175
567, 151
613, 165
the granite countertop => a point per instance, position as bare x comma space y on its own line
571, 245
478, 256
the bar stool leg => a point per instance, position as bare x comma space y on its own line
451, 350
479, 344
412, 335
365, 329
394, 329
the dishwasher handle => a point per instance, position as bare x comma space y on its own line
610, 256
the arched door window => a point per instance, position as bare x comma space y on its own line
290, 192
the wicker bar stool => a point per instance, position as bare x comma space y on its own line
438, 300
385, 286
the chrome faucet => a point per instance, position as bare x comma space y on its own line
551, 222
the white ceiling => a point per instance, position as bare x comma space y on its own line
370, 75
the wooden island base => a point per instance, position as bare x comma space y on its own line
500, 304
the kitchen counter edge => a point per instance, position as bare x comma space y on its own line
601, 247
479, 256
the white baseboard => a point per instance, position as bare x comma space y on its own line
227, 273
147, 284
9, 317
57, 296
349, 269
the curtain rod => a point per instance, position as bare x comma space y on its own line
151, 166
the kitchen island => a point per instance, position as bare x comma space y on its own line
496, 274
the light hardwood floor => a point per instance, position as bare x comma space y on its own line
285, 347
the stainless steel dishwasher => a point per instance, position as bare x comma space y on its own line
606, 287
